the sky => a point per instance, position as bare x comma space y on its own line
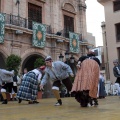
94, 17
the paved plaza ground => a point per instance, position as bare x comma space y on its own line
108, 109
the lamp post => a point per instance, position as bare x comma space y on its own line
68, 59
61, 57
67, 55
72, 59
18, 3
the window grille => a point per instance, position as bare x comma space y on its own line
117, 32
34, 14
68, 25
116, 5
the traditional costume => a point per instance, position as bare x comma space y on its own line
29, 86
86, 80
101, 87
59, 73
6, 81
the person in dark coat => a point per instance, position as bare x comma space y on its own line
116, 72
101, 86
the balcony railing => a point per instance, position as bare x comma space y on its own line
27, 23
22, 22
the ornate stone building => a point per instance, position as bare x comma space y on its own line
60, 18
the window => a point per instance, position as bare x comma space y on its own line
34, 14
116, 5
118, 51
0, 5
68, 25
117, 26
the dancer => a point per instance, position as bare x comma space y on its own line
29, 86
59, 73
86, 80
6, 81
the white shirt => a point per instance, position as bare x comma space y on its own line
38, 73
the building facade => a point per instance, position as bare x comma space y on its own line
91, 40
59, 18
111, 35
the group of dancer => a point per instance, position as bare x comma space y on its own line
85, 86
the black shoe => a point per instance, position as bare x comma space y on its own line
19, 100
11, 99
31, 102
36, 102
15, 99
4, 102
95, 102
59, 103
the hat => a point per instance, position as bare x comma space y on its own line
48, 58
42, 67
115, 61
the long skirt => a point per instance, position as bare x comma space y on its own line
86, 80
101, 90
29, 87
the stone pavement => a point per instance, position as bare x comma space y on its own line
108, 109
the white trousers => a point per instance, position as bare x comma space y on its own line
117, 85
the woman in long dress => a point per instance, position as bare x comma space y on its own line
101, 87
86, 80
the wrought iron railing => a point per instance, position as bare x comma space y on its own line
65, 33
15, 20
22, 22
27, 23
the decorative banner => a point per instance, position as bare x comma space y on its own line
2, 27
74, 42
39, 34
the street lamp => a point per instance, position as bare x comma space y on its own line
71, 59
67, 55
18, 2
61, 57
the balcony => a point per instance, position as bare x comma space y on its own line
27, 23
22, 22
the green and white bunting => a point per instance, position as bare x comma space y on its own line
74, 42
2, 27
39, 34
